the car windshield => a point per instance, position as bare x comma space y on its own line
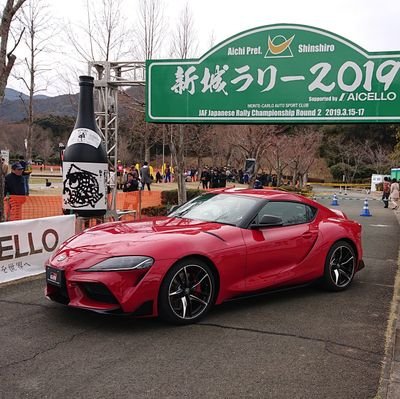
221, 208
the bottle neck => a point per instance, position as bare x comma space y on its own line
86, 116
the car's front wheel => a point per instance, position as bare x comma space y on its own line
187, 292
340, 266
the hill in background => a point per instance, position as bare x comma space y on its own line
14, 106
13, 95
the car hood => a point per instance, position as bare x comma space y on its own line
119, 238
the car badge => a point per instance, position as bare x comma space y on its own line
61, 258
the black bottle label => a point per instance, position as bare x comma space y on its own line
85, 186
84, 136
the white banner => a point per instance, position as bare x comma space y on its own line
25, 245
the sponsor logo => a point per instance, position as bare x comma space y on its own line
279, 47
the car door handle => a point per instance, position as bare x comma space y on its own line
307, 235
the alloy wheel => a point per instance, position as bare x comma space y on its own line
190, 291
342, 266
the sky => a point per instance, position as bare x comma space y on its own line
373, 25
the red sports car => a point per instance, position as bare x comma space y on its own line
221, 245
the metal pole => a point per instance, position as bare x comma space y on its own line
163, 151
140, 202
170, 146
110, 76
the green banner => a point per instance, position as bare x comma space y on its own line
277, 74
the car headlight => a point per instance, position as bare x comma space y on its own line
121, 263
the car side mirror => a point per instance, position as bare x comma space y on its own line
268, 221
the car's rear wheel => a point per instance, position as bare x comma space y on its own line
187, 292
340, 266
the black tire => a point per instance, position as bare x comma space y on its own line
187, 292
340, 266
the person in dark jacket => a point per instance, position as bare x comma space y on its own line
14, 181
205, 178
159, 178
14, 186
145, 175
132, 184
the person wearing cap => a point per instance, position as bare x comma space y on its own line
14, 186
14, 182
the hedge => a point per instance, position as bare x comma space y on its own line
171, 197
168, 199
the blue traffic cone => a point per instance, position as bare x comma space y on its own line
334, 200
365, 211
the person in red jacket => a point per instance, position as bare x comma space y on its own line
386, 192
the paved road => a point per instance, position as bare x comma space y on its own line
305, 343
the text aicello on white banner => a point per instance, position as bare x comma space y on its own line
26, 245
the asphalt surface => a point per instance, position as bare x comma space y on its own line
304, 343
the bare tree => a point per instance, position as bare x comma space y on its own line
151, 28
214, 141
184, 45
395, 155
38, 30
12, 136
353, 155
184, 40
104, 35
276, 157
302, 152
254, 141
149, 33
199, 143
211, 39
47, 148
7, 56
379, 157
7, 61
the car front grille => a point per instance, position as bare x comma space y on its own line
98, 292
60, 293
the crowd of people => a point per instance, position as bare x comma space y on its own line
130, 178
134, 177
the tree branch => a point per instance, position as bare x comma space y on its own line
16, 43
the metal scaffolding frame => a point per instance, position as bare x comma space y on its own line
108, 78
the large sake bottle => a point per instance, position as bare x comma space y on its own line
85, 167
